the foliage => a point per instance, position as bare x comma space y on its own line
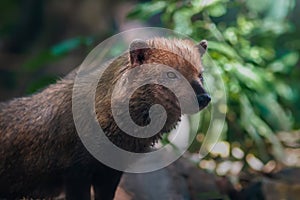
250, 45
253, 44
51, 55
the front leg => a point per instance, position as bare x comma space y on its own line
105, 183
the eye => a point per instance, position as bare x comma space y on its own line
201, 78
171, 75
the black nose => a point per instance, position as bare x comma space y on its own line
203, 100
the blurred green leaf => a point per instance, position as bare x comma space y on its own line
273, 112
258, 5
146, 10
182, 21
40, 83
56, 52
69, 45
256, 127
251, 77
217, 11
231, 34
285, 64
279, 9
38, 61
285, 91
247, 114
201, 4
248, 41
224, 49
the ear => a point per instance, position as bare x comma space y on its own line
202, 47
138, 51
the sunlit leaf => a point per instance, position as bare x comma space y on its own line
285, 91
230, 34
217, 11
201, 4
245, 25
252, 77
182, 21
224, 49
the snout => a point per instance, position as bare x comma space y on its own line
203, 100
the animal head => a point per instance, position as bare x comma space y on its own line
160, 71
183, 58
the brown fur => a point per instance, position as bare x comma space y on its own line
39, 146
182, 55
